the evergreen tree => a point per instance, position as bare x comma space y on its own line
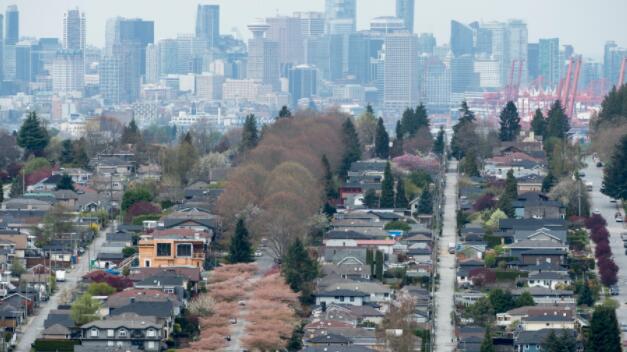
511, 185
421, 118
379, 265
299, 269
381, 141
505, 204
81, 159
464, 136
67, 152
329, 184
250, 134
131, 134
284, 113
538, 124
469, 164
548, 182
1, 191
352, 148
387, 188
557, 124
295, 342
585, 296
425, 203
407, 122
564, 342
32, 136
525, 299
17, 186
439, 143
510, 122
370, 199
369, 109
240, 249
467, 115
604, 335
65, 183
615, 177
401, 199
399, 131
501, 301
487, 344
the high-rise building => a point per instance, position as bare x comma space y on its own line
167, 55
363, 48
463, 76
74, 30
1, 47
152, 64
508, 44
311, 23
263, 56
68, 71
488, 70
287, 32
387, 24
120, 76
400, 72
12, 21
607, 65
326, 54
549, 61
516, 48
405, 11
191, 52
533, 63
208, 24
302, 83
110, 79
437, 86
612, 62
134, 32
426, 43
209, 86
461, 39
24, 61
341, 16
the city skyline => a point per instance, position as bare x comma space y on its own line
603, 21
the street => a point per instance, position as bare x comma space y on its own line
29, 332
602, 202
444, 297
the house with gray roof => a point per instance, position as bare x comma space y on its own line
128, 332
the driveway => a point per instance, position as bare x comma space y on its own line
444, 300
28, 333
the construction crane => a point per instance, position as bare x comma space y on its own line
567, 90
621, 75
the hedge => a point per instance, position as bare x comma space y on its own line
509, 275
41, 345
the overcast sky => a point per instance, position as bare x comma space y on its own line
586, 24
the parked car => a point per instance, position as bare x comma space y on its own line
618, 217
233, 321
599, 164
258, 253
596, 211
614, 290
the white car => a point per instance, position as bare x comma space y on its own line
596, 211
258, 253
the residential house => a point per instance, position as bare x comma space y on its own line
349, 348
539, 322
341, 296
465, 267
535, 205
529, 183
543, 295
163, 313
78, 175
506, 319
56, 332
166, 282
128, 332
531, 341
549, 279
375, 291
355, 315
132, 295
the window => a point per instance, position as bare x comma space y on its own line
164, 249
168, 290
94, 332
110, 343
122, 333
184, 250
150, 345
110, 333
352, 299
147, 263
151, 333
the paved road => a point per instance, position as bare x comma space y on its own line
608, 209
28, 333
446, 267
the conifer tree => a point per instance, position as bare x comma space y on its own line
538, 123
381, 141
387, 188
407, 121
615, 177
510, 122
298, 268
250, 134
469, 164
352, 148
511, 185
401, 199
1, 191
329, 184
585, 295
67, 152
379, 265
370, 199
240, 249
467, 115
131, 134
425, 203
399, 131
487, 345
604, 335
284, 113
32, 136
557, 124
439, 143
65, 183
421, 117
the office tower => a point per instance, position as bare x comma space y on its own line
341, 16
516, 48
23, 61
437, 86
400, 71
426, 43
482, 39
549, 61
190, 55
134, 32
167, 53
387, 24
612, 62
208, 24
461, 39
533, 63
363, 47
319, 53
110, 80
74, 30
1, 47
591, 72
208, 86
12, 21
287, 32
609, 45
302, 83
311, 23
405, 11
508, 44
152, 64
263, 56
488, 70
463, 76
68, 71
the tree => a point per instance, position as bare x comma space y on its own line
401, 199
32, 136
538, 124
511, 185
352, 148
397, 225
299, 269
100, 289
370, 199
465, 138
387, 188
1, 191
330, 190
615, 177
586, 296
84, 309
467, 115
484, 202
67, 152
131, 134
366, 126
557, 124
469, 164
525, 299
240, 249
510, 122
548, 182
128, 251
399, 131
407, 123
378, 266
487, 344
481, 311
65, 182
17, 269
604, 334
421, 117
502, 301
399, 317
250, 134
505, 203
439, 143
136, 194
425, 203
284, 113
381, 141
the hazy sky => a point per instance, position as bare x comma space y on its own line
586, 24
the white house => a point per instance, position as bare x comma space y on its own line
341, 296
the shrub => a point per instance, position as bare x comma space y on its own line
595, 221
600, 234
484, 202
603, 249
